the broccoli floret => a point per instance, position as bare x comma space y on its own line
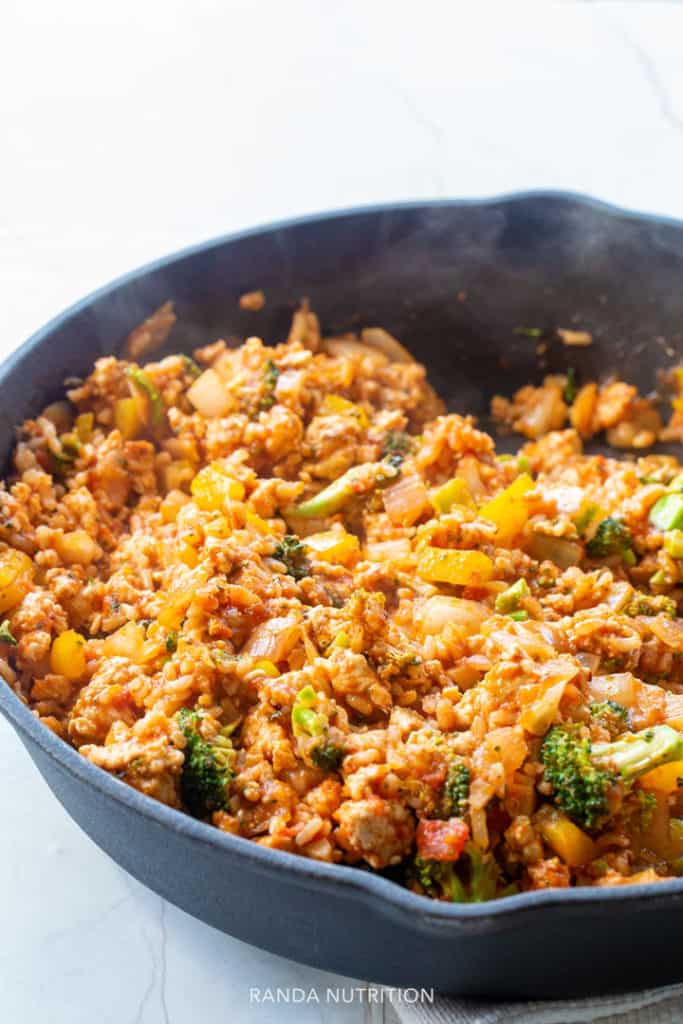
397, 444
270, 377
291, 552
474, 878
611, 715
327, 756
584, 775
580, 788
456, 789
6, 635
207, 771
640, 752
612, 537
651, 604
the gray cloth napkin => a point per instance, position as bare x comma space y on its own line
653, 1006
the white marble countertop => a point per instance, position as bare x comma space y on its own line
131, 129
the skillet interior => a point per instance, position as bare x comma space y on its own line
452, 281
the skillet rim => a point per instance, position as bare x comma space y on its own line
389, 896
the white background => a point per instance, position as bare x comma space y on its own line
129, 129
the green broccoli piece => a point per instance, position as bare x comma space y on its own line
354, 483
509, 600
474, 878
172, 641
291, 552
612, 537
611, 715
640, 752
651, 604
584, 775
207, 770
6, 635
144, 382
397, 444
327, 756
580, 788
270, 378
456, 789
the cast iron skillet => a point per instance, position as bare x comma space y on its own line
452, 280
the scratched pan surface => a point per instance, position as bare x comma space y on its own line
452, 280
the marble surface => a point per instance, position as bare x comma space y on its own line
131, 129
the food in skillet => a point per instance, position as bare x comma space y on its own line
281, 590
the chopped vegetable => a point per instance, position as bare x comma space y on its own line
6, 634
612, 537
474, 878
67, 655
354, 483
327, 756
673, 543
509, 510
612, 715
171, 641
441, 840
16, 577
336, 546
127, 418
456, 789
292, 553
583, 775
207, 769
509, 600
126, 642
565, 838
143, 381
667, 513
642, 751
209, 395
454, 492
460, 568
397, 444
213, 489
406, 501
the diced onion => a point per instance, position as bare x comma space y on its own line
208, 395
386, 343
440, 611
406, 501
274, 639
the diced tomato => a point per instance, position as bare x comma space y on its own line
442, 840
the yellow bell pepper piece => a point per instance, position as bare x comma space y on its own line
126, 642
212, 489
342, 406
462, 568
16, 576
127, 418
77, 547
268, 667
85, 424
565, 838
336, 546
67, 657
454, 492
173, 612
509, 510
665, 779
